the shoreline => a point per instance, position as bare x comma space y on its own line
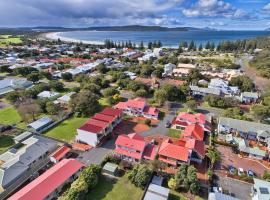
56, 36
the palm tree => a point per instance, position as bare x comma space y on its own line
213, 155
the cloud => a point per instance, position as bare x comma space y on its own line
213, 8
267, 7
81, 11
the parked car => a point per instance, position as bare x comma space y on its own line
240, 171
168, 124
250, 173
232, 169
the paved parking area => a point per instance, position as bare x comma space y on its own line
230, 158
96, 155
235, 188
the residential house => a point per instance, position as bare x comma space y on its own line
9, 85
246, 129
138, 107
134, 148
252, 152
60, 154
22, 137
50, 184
168, 69
184, 119
156, 192
17, 161
260, 190
203, 91
183, 69
249, 97
96, 129
64, 99
223, 86
48, 94
220, 196
40, 124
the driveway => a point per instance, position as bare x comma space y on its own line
96, 155
160, 128
235, 188
214, 112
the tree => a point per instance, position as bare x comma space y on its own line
160, 96
244, 83
260, 111
56, 85
191, 104
141, 47
200, 47
28, 108
150, 45
51, 108
140, 176
102, 68
266, 176
13, 96
157, 166
213, 155
158, 72
109, 92
172, 184
34, 77
85, 103
141, 93
67, 76
191, 45
194, 76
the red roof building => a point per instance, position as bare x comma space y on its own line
138, 107
47, 184
194, 131
59, 154
173, 154
184, 119
98, 128
133, 147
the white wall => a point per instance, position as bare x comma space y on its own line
87, 137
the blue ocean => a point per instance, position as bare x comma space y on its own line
168, 39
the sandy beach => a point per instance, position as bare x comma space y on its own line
56, 36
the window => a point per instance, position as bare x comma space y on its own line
264, 190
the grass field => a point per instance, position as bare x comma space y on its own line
66, 130
7, 39
174, 133
121, 189
5, 142
10, 116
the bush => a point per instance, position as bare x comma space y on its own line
112, 159
140, 175
147, 122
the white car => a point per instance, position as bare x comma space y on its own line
240, 171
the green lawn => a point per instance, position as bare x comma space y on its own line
121, 189
5, 142
66, 130
174, 133
10, 116
7, 39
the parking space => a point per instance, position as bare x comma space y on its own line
229, 158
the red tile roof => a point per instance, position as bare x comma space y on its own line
105, 118
91, 128
111, 112
131, 154
138, 103
61, 152
49, 181
173, 151
131, 141
151, 110
196, 145
194, 131
98, 123
192, 118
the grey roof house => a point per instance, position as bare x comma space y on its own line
40, 124
9, 85
260, 190
15, 162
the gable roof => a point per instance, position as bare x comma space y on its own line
132, 141
98, 123
192, 118
194, 131
60, 152
173, 151
50, 180
91, 128
111, 112
105, 118
197, 146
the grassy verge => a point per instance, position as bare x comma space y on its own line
6, 142
174, 133
67, 129
10, 116
121, 189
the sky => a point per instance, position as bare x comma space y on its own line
219, 14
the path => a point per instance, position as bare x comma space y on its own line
261, 83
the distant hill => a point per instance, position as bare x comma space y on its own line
119, 28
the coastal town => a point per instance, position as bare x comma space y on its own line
119, 120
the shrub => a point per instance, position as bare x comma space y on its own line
140, 175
